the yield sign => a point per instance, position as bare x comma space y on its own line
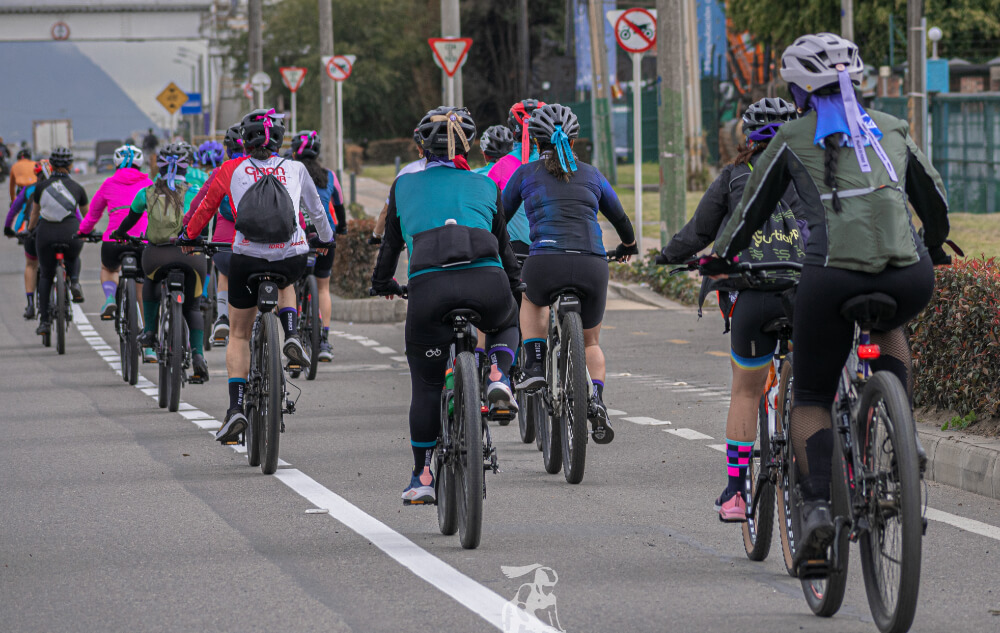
339, 67
635, 29
292, 77
172, 98
450, 52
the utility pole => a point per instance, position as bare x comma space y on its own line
328, 110
255, 55
451, 27
670, 84
916, 44
847, 19
600, 94
522, 48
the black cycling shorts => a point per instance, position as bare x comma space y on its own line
111, 253
243, 294
157, 260
546, 274
752, 348
324, 264
29, 248
221, 261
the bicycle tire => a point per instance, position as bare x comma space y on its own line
46, 338
444, 483
826, 595
208, 306
551, 438
60, 320
175, 355
130, 314
759, 528
786, 475
468, 428
252, 434
525, 419
163, 385
271, 394
576, 394
313, 325
891, 616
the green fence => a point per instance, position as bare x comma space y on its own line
621, 110
965, 148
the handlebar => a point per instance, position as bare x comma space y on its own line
403, 292
739, 269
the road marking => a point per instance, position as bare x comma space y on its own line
616, 412
385, 350
485, 603
688, 434
677, 341
399, 359
962, 523
646, 421
722, 354
717, 447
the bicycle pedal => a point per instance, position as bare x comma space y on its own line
407, 502
814, 569
231, 443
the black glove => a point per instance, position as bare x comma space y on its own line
341, 230
375, 240
315, 242
119, 235
661, 258
183, 239
392, 287
9, 232
623, 251
938, 256
715, 266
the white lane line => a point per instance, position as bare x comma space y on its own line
194, 415
717, 447
646, 421
385, 350
399, 359
368, 342
485, 603
616, 412
962, 523
688, 434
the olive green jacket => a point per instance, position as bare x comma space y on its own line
874, 228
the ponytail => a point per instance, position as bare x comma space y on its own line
831, 155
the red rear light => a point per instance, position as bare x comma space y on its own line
869, 352
180, 299
484, 409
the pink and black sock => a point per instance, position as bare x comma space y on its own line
738, 462
288, 318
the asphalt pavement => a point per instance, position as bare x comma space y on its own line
120, 516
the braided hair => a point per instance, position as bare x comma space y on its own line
831, 154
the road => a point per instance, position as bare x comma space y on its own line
120, 516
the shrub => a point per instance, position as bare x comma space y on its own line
955, 348
683, 287
354, 260
385, 151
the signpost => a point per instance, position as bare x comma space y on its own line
292, 77
60, 31
635, 30
193, 104
261, 83
172, 98
450, 54
339, 68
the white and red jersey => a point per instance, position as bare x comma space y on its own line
234, 177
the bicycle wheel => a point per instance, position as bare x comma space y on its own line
175, 356
272, 392
468, 442
208, 308
825, 595
759, 527
551, 437
311, 324
786, 475
163, 386
61, 307
445, 476
575, 396
525, 419
891, 548
252, 434
128, 315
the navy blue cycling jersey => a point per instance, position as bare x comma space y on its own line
563, 215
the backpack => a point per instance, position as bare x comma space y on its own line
163, 220
266, 213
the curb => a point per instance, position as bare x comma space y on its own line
968, 462
640, 294
375, 310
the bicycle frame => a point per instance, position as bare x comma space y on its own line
553, 389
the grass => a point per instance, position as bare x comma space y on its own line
976, 233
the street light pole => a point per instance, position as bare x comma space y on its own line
916, 55
328, 112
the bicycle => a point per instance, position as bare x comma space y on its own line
60, 313
128, 317
310, 326
875, 487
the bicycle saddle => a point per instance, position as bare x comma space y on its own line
869, 309
59, 246
775, 326
281, 280
568, 290
469, 315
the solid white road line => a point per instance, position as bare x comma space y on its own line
688, 434
717, 447
962, 523
646, 421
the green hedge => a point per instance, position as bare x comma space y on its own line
354, 260
682, 288
955, 347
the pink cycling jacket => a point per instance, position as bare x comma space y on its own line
116, 195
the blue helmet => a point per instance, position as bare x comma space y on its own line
211, 153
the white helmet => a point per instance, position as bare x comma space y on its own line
811, 62
128, 156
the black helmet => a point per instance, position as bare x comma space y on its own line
447, 131
176, 153
519, 112
61, 157
306, 144
496, 141
233, 141
24, 153
187, 150
543, 122
262, 128
766, 111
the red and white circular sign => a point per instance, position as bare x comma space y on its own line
60, 31
635, 30
339, 68
248, 90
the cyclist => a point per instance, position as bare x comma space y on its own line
17, 224
163, 204
562, 198
22, 173
495, 143
443, 215
149, 144
116, 195
55, 220
210, 155
418, 165
748, 310
305, 149
224, 232
248, 181
195, 177
851, 169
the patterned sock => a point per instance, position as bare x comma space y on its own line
109, 288
536, 351
599, 389
222, 302
236, 388
480, 356
287, 316
502, 357
737, 462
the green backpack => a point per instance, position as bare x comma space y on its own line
163, 220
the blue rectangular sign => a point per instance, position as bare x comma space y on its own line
193, 104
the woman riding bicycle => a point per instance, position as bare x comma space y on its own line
451, 222
116, 195
164, 204
495, 143
748, 310
56, 220
562, 197
854, 171
16, 225
305, 149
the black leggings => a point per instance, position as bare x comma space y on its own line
49, 233
157, 261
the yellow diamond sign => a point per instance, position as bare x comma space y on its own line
172, 98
